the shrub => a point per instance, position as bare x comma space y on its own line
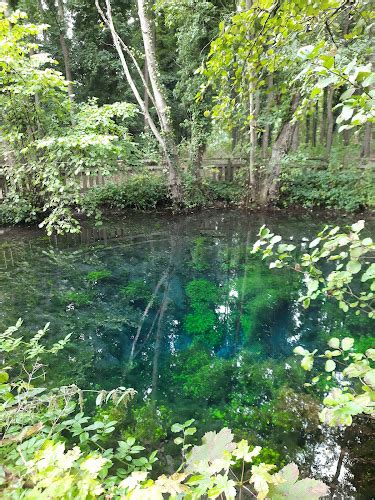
209, 191
15, 210
142, 191
350, 189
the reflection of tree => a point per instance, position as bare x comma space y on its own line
208, 330
150, 303
157, 346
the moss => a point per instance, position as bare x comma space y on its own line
202, 291
95, 276
136, 292
200, 255
200, 322
77, 298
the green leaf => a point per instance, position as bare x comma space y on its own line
299, 350
347, 343
358, 226
369, 378
306, 302
334, 342
315, 242
214, 447
177, 428
312, 285
190, 431
354, 266
330, 365
293, 489
307, 362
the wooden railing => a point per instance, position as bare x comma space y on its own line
222, 169
219, 169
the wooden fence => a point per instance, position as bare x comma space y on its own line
222, 169
219, 169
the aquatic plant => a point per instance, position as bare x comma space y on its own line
202, 291
136, 292
95, 276
77, 298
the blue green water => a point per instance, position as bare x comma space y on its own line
177, 308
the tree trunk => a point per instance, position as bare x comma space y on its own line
146, 98
346, 137
253, 147
267, 128
323, 122
253, 111
295, 140
281, 147
330, 122
307, 130
315, 125
367, 141
157, 346
164, 136
65, 49
160, 102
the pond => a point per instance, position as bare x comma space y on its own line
177, 308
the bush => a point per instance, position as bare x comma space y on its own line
141, 191
350, 189
14, 210
148, 191
208, 192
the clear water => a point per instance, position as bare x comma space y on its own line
178, 309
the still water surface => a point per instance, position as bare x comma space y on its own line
178, 309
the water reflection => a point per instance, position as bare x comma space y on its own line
179, 309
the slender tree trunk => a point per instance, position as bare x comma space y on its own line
323, 122
330, 122
295, 140
367, 141
65, 49
235, 133
307, 129
157, 346
164, 136
8, 153
346, 137
146, 98
252, 175
252, 195
281, 147
315, 125
160, 101
267, 128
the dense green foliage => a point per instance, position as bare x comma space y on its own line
47, 149
56, 130
349, 190
137, 98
